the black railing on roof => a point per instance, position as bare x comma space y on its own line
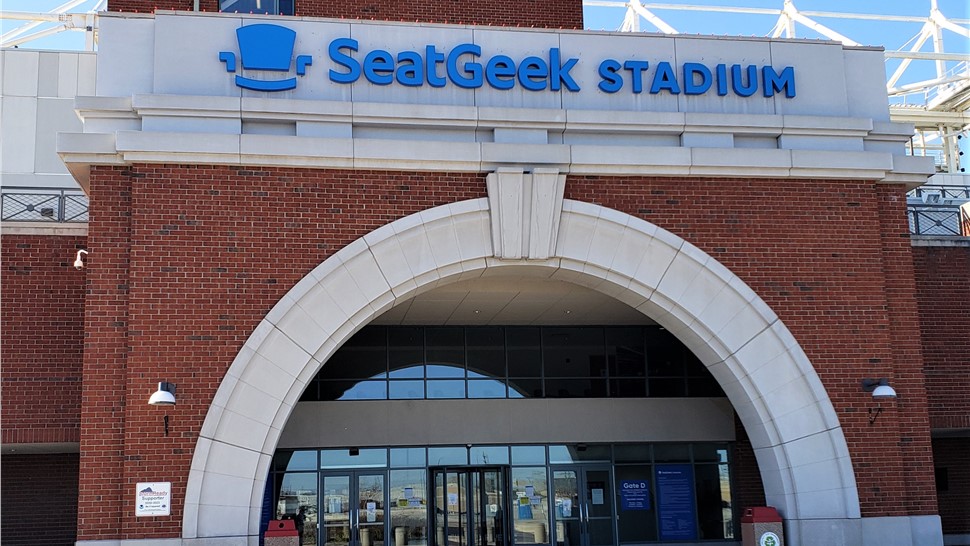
947, 220
23, 204
937, 194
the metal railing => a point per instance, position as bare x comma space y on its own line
946, 220
71, 206
941, 192
20, 204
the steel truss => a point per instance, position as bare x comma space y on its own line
937, 106
53, 22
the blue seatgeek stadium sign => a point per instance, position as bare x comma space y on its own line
267, 47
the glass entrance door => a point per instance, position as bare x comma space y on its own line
353, 509
585, 514
470, 506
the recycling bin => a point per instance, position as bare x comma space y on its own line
281, 532
761, 526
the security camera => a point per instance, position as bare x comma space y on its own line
78, 262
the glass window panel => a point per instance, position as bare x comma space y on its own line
336, 511
671, 453
295, 460
445, 352
296, 499
578, 453
353, 390
405, 390
342, 458
486, 388
371, 509
363, 356
637, 520
525, 388
524, 352
693, 365
489, 455
626, 352
442, 370
665, 353
438, 456
485, 352
668, 387
576, 388
311, 393
405, 352
567, 508
451, 388
530, 510
639, 453
628, 388
409, 506
704, 387
709, 453
714, 511
528, 455
408, 456
600, 498
573, 352
273, 7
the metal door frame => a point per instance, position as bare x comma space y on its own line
353, 474
583, 498
468, 470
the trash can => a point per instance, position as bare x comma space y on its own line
281, 532
761, 526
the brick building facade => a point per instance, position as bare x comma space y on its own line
208, 264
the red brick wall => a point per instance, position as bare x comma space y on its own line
206, 245
951, 454
943, 290
212, 249
746, 477
41, 316
105, 359
906, 372
814, 251
39, 499
510, 13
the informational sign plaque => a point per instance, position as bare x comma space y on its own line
675, 502
153, 499
634, 495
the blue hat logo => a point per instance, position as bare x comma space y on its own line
265, 47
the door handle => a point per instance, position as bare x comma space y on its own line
356, 523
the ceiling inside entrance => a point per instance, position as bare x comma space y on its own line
512, 299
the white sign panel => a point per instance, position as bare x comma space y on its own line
153, 499
466, 66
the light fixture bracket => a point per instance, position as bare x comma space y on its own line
879, 388
164, 396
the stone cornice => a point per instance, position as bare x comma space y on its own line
329, 134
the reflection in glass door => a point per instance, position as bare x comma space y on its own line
584, 506
470, 506
353, 509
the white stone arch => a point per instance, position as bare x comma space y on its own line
800, 447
